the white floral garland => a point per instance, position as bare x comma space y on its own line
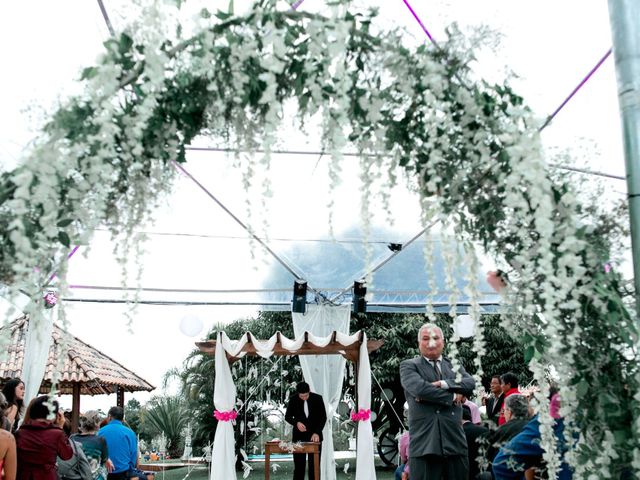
73, 179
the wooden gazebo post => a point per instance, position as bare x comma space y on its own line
75, 407
120, 396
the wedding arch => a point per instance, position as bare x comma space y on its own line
355, 348
471, 149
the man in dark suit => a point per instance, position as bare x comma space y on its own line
494, 402
438, 444
473, 433
306, 413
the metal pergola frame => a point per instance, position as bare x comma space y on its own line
391, 304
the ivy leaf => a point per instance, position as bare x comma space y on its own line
64, 223
222, 15
582, 388
529, 353
88, 73
125, 43
64, 239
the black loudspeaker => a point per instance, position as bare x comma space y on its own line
299, 301
359, 296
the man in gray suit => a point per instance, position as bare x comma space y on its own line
438, 448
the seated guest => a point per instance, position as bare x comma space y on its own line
77, 467
123, 447
516, 414
475, 410
121, 443
94, 447
40, 441
472, 433
403, 448
523, 451
7, 446
509, 386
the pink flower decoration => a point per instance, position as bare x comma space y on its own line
225, 416
607, 267
554, 406
50, 299
495, 280
361, 415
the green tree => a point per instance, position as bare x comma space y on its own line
399, 331
167, 415
132, 415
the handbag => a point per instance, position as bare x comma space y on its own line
71, 469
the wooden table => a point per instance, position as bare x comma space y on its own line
304, 447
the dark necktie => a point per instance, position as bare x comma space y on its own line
437, 369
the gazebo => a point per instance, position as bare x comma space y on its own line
80, 368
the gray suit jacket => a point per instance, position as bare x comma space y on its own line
435, 423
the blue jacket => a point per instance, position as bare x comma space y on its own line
122, 444
524, 451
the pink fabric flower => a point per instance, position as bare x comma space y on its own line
225, 416
50, 299
361, 415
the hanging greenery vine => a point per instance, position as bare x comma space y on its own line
106, 157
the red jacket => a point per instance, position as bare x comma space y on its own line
38, 444
501, 419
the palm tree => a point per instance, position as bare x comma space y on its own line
167, 415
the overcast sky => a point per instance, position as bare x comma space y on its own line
43, 46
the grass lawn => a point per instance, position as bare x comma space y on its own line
285, 472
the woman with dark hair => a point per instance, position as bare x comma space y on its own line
7, 447
13, 391
40, 440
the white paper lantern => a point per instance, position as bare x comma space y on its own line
190, 325
464, 326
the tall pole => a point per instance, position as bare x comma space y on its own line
75, 407
625, 28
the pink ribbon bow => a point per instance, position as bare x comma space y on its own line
361, 415
225, 416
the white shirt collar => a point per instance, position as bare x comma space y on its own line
439, 359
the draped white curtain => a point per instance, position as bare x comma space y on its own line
324, 373
36, 351
223, 456
365, 467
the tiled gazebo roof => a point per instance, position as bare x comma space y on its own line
93, 370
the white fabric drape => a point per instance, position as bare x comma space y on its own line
223, 456
365, 467
36, 351
324, 373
